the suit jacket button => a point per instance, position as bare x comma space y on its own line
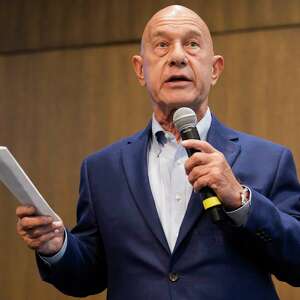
173, 277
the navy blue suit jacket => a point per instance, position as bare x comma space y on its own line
119, 242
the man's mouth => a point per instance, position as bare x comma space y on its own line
177, 78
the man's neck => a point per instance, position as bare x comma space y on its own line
165, 119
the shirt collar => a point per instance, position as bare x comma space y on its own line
162, 136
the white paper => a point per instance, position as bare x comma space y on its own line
20, 185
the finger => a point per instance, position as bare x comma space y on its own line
24, 211
201, 182
58, 226
32, 222
35, 243
20, 230
197, 159
199, 145
39, 231
197, 173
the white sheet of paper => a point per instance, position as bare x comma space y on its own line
20, 185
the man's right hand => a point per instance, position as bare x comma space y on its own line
39, 232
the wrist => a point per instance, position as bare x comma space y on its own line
245, 195
240, 198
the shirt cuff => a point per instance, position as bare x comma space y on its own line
240, 215
50, 260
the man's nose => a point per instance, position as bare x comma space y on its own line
177, 56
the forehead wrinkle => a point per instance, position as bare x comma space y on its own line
164, 33
175, 23
172, 22
175, 19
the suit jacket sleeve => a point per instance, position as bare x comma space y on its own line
82, 269
273, 225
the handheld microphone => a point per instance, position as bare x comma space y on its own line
185, 121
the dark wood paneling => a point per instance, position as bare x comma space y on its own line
36, 24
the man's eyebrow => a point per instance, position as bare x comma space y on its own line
159, 33
195, 33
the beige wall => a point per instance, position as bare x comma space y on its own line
67, 89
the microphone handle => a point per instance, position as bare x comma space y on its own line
211, 202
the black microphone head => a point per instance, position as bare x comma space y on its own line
183, 118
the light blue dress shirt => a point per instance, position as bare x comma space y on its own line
168, 180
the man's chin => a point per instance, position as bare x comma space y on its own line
177, 102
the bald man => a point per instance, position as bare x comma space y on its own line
142, 232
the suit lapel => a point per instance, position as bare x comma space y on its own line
225, 141
134, 157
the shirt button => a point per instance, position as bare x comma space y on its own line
173, 277
177, 197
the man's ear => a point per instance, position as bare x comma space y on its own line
137, 62
217, 69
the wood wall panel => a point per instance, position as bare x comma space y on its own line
36, 24
259, 90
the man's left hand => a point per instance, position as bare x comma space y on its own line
209, 168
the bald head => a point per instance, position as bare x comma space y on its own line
175, 15
177, 64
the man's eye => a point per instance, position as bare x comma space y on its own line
162, 44
193, 44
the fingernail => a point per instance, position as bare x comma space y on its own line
56, 231
57, 223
